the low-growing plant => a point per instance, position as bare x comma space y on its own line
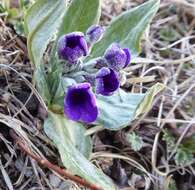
183, 154
78, 68
135, 141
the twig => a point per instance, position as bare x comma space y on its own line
165, 61
143, 79
51, 166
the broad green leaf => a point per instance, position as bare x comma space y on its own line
71, 130
42, 21
118, 110
41, 83
66, 134
36, 13
80, 15
58, 99
128, 28
53, 78
146, 103
48, 83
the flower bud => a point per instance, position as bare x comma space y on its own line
72, 46
116, 57
107, 81
80, 103
94, 33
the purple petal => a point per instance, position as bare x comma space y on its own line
84, 46
71, 55
107, 82
99, 85
103, 72
72, 113
111, 82
89, 114
70, 109
95, 33
84, 86
89, 109
80, 103
72, 46
115, 56
100, 62
128, 55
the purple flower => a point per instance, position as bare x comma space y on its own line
80, 103
100, 62
72, 46
107, 81
116, 57
94, 33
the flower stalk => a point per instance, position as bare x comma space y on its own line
45, 163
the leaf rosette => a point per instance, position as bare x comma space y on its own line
81, 81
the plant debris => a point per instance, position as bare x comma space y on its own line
160, 152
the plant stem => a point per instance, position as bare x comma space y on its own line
51, 166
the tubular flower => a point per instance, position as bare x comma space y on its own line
95, 33
107, 81
72, 46
80, 103
116, 57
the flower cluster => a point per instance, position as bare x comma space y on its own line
80, 100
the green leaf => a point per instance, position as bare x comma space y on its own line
58, 99
41, 83
146, 104
172, 185
2, 9
80, 15
73, 131
185, 152
118, 110
135, 141
190, 144
169, 139
128, 28
53, 78
48, 82
42, 21
69, 138
183, 156
169, 34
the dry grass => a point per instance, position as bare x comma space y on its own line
168, 56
